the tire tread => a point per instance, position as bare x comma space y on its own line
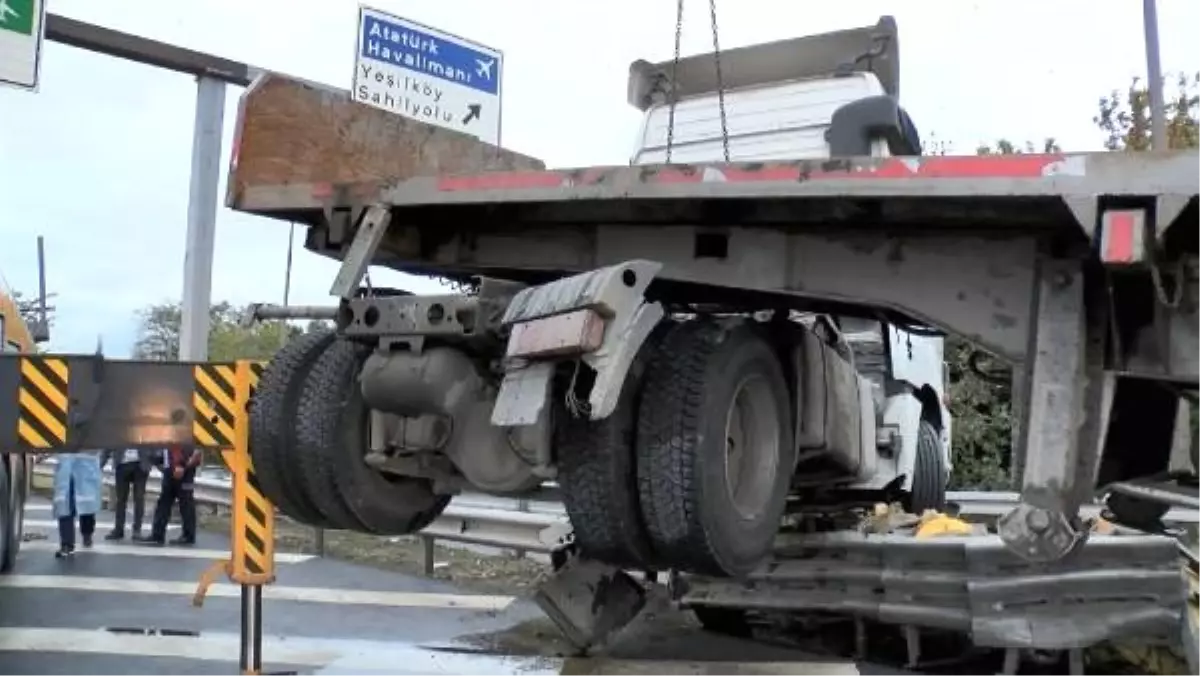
272, 429
332, 451
597, 472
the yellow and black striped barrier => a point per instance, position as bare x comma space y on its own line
253, 515
221, 399
214, 401
63, 403
42, 402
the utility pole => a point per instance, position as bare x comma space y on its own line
1154, 84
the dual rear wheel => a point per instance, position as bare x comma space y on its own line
692, 470
308, 441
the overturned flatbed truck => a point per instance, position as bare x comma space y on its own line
658, 339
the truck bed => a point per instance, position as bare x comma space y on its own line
302, 148
293, 133
954, 242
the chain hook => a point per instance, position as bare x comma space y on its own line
673, 89
712, 9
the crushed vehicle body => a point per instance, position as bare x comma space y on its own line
692, 349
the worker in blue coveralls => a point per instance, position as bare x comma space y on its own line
77, 484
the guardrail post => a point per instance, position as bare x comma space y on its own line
427, 551
522, 506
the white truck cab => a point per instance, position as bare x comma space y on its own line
825, 96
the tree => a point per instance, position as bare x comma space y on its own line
1125, 117
980, 392
228, 340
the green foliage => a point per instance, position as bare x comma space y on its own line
1125, 117
1006, 147
981, 407
228, 340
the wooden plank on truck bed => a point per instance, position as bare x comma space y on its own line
301, 134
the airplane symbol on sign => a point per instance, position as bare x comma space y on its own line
483, 69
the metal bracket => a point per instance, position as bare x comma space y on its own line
362, 250
85, 394
1066, 355
448, 315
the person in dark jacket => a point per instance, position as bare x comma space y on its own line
131, 469
178, 483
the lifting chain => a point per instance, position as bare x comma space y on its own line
673, 88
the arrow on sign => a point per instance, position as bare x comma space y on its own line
473, 112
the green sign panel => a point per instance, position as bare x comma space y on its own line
22, 24
17, 16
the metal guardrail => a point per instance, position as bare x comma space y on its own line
541, 526
469, 519
984, 504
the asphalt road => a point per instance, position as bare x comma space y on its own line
126, 608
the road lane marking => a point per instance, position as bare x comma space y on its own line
355, 597
353, 656
101, 526
216, 648
154, 551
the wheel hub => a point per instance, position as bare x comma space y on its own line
751, 442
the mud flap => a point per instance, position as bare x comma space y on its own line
589, 601
614, 294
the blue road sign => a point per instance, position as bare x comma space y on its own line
428, 75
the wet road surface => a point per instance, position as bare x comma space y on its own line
126, 608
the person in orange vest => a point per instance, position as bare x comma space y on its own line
178, 483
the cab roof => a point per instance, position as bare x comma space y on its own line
874, 49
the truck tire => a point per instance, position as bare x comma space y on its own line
273, 425
715, 451
596, 470
332, 431
929, 472
10, 538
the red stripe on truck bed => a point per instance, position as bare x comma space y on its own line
989, 166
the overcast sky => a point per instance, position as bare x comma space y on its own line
98, 160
